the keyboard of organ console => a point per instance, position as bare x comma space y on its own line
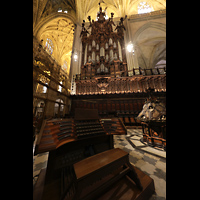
89, 128
55, 133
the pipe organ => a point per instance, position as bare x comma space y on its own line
104, 66
102, 47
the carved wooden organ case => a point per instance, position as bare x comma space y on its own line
103, 52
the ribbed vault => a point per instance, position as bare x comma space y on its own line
56, 19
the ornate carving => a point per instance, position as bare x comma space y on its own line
102, 44
102, 84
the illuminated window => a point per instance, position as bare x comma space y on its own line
49, 46
64, 67
144, 7
44, 89
60, 10
60, 87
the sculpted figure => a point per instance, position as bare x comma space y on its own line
93, 27
101, 15
121, 26
84, 31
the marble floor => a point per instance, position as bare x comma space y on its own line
151, 161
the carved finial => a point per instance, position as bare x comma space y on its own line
89, 18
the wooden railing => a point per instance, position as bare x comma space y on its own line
134, 72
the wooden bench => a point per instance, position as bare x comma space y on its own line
90, 170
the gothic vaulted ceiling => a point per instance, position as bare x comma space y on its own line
120, 8
56, 19
54, 23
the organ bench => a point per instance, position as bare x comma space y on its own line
95, 168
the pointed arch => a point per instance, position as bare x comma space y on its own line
156, 25
149, 49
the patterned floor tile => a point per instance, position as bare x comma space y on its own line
161, 165
149, 160
123, 143
146, 167
127, 150
160, 186
133, 159
160, 174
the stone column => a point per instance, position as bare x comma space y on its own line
77, 49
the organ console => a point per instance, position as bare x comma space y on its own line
73, 140
85, 124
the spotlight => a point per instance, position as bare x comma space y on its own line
130, 47
75, 57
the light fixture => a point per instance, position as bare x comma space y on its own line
130, 47
75, 57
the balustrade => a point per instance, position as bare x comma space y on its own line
140, 81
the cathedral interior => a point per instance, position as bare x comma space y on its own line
99, 96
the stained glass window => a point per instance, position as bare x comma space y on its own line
49, 46
144, 7
64, 67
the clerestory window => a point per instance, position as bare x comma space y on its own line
144, 7
49, 46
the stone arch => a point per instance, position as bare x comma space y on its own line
156, 25
161, 63
160, 56
38, 108
149, 43
56, 107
